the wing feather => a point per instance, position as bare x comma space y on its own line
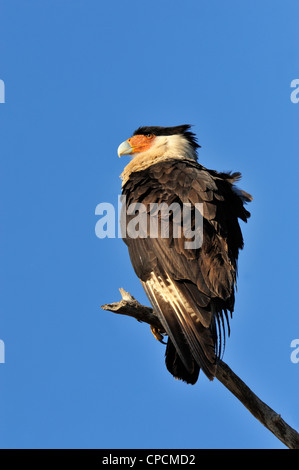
191, 291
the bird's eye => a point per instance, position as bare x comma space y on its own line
149, 136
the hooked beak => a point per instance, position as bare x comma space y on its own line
125, 148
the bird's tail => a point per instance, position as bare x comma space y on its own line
176, 367
191, 328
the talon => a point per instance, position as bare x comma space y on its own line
157, 334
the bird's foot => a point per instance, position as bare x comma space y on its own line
157, 334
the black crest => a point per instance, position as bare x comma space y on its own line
184, 130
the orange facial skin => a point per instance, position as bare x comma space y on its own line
140, 143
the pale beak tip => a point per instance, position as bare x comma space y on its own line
124, 149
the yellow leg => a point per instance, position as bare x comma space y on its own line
157, 334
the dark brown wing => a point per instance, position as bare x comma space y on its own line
191, 290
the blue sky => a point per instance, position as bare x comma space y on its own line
79, 77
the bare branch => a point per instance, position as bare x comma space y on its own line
129, 306
269, 418
262, 412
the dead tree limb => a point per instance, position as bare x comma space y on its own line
262, 412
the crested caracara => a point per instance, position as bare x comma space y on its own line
191, 288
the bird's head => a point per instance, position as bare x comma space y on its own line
156, 142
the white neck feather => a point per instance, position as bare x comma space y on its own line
163, 148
